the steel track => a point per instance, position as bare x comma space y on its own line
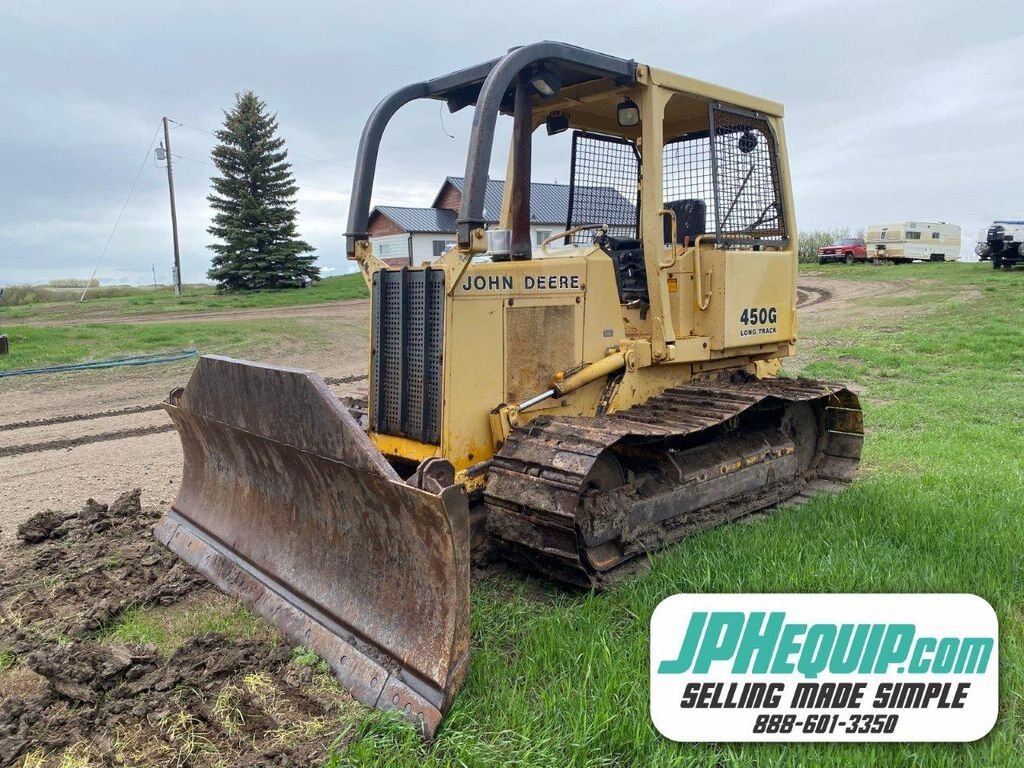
539, 503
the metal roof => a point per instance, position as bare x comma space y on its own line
549, 204
419, 219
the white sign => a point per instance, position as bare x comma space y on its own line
843, 667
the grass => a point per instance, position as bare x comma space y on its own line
306, 658
41, 338
953, 273
134, 301
168, 629
41, 346
940, 507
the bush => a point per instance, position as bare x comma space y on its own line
71, 282
813, 239
21, 295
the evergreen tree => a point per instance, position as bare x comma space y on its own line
254, 204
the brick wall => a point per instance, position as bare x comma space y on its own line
449, 198
382, 225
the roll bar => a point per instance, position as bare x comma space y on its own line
487, 86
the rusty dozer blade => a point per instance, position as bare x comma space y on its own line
287, 505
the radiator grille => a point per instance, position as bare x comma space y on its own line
406, 352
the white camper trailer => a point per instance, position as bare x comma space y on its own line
913, 241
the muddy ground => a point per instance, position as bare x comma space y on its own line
76, 689
67, 437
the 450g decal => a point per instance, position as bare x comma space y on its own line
759, 321
759, 315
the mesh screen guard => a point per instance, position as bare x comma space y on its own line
603, 186
745, 167
736, 175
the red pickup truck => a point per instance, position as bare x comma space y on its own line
848, 249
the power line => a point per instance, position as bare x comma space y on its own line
119, 215
309, 157
290, 152
301, 185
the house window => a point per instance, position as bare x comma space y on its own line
884, 233
913, 235
935, 235
440, 246
542, 235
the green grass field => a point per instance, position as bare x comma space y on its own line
194, 298
39, 338
562, 681
38, 347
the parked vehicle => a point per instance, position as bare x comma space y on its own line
848, 249
1003, 243
913, 241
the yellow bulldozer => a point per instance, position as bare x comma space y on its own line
570, 405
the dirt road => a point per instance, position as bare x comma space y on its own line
350, 310
67, 437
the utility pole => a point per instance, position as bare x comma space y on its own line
174, 212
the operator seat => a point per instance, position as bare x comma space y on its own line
628, 257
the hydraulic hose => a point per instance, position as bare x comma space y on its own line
116, 362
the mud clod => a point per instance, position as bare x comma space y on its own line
80, 688
127, 504
92, 512
43, 526
82, 672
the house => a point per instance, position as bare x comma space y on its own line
414, 235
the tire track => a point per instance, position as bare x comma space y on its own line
335, 381
808, 297
49, 422
74, 442
119, 434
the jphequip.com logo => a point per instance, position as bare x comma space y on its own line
824, 667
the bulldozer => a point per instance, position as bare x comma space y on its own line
569, 406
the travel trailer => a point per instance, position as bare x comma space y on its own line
913, 241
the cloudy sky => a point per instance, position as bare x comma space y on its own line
894, 110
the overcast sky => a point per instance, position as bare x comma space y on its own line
894, 110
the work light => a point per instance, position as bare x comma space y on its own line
628, 113
545, 83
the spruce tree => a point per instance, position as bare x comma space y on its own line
254, 204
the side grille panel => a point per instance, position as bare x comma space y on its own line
406, 352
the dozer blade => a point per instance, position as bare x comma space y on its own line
287, 505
